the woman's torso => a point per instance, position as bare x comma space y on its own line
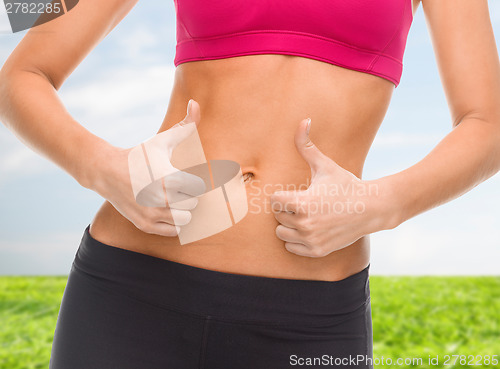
250, 109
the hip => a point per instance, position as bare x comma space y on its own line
249, 247
159, 313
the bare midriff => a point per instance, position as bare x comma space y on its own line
250, 109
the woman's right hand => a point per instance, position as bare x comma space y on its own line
114, 183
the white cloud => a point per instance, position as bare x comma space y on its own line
141, 43
125, 105
120, 90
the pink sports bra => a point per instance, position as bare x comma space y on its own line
368, 36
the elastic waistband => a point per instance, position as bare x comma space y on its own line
225, 296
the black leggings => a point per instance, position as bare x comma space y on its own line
126, 310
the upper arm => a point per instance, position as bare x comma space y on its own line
55, 49
466, 55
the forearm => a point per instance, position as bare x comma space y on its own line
31, 108
467, 156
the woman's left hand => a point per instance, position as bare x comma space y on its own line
336, 209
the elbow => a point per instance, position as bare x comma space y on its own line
8, 83
484, 128
494, 123
8, 76
487, 121
492, 140
14, 82
5, 83
496, 151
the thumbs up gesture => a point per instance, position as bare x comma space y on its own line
334, 211
143, 185
155, 181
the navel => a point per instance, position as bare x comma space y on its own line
247, 176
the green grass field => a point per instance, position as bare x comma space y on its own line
413, 317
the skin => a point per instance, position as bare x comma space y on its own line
251, 110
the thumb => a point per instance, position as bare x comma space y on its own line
185, 128
193, 113
307, 149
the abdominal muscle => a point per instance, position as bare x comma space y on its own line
250, 109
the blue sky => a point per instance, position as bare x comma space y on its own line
121, 92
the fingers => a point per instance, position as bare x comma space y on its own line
181, 190
293, 241
189, 203
287, 219
298, 249
288, 234
177, 217
287, 201
297, 244
185, 183
164, 229
162, 221
180, 217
